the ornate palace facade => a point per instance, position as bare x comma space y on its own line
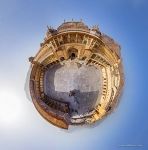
76, 76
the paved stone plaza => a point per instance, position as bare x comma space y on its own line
74, 83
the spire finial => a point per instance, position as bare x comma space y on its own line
47, 27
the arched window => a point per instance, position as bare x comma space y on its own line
62, 59
83, 58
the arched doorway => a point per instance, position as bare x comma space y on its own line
72, 53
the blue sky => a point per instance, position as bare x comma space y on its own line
22, 28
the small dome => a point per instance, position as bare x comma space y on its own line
73, 25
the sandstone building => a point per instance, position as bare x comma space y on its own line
76, 76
